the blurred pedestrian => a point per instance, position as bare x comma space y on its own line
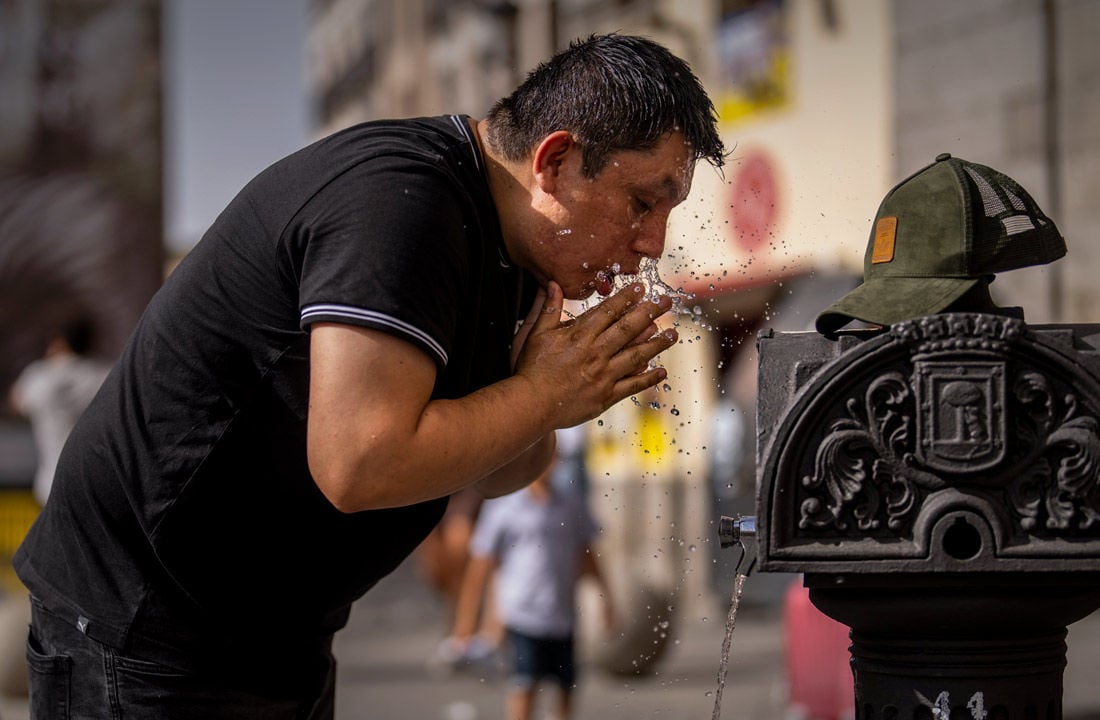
337, 356
480, 651
535, 544
53, 391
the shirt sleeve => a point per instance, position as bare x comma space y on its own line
385, 247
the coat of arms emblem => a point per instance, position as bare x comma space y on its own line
961, 415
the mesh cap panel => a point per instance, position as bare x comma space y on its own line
1010, 230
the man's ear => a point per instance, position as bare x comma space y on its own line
549, 158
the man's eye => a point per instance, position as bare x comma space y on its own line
642, 206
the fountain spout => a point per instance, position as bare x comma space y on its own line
733, 530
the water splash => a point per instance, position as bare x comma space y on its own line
649, 276
655, 287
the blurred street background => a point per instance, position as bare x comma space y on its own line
127, 125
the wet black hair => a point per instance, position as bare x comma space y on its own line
612, 92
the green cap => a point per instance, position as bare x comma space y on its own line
938, 233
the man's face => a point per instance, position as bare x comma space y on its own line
607, 224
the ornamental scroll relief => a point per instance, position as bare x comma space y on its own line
968, 410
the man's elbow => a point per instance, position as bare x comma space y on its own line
345, 489
337, 482
338, 491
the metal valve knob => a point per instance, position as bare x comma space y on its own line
732, 530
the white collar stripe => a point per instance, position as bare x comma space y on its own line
347, 311
461, 125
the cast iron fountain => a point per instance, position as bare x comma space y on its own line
938, 483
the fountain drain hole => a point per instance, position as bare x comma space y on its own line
962, 540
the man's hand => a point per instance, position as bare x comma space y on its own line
585, 365
529, 322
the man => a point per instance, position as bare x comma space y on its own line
335, 358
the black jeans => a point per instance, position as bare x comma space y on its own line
73, 677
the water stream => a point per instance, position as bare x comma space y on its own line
731, 620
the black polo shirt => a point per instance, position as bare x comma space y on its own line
183, 523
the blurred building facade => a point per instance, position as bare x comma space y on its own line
1013, 84
80, 171
1008, 83
400, 58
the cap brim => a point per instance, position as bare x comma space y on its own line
885, 301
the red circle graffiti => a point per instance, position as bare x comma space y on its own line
755, 200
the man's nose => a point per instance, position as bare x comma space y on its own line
650, 240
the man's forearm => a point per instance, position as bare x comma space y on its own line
520, 472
